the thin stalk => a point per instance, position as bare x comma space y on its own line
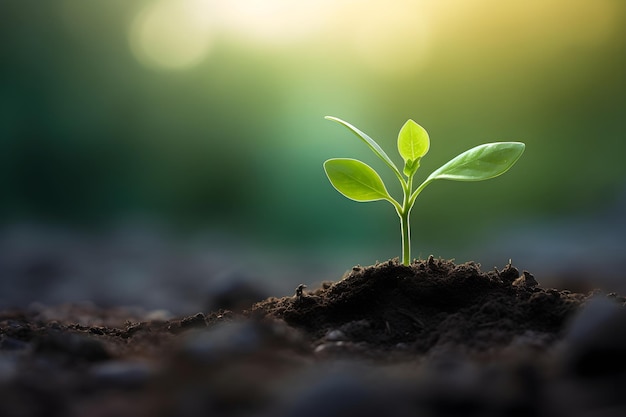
405, 215
405, 227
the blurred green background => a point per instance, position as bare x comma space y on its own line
207, 115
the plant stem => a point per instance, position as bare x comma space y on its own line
406, 236
405, 214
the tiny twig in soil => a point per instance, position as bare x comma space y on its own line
299, 291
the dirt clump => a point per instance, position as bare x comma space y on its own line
429, 304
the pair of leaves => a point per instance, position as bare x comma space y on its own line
413, 143
359, 182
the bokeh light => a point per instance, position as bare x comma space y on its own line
173, 34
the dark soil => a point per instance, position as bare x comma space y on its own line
433, 339
431, 304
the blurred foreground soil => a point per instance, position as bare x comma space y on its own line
432, 339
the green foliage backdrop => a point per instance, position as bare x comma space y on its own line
209, 113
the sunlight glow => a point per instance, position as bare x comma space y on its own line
274, 22
172, 34
394, 39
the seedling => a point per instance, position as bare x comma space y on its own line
359, 182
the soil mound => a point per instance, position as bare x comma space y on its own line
431, 303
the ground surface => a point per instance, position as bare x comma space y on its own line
432, 339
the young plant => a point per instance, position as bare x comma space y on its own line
359, 182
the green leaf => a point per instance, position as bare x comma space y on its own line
480, 163
369, 142
355, 180
413, 143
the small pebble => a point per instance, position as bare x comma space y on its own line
345, 391
224, 339
122, 374
336, 335
8, 368
595, 342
